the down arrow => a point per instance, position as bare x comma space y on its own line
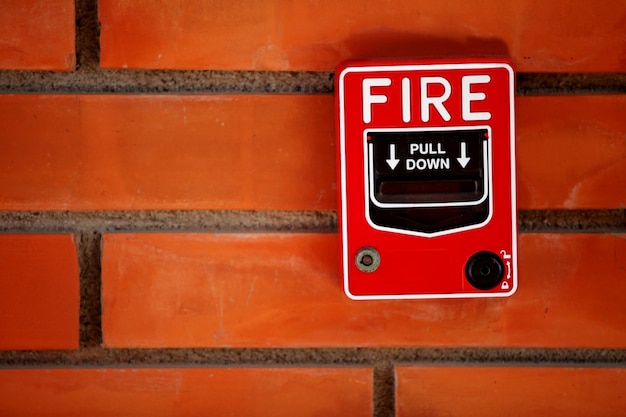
463, 160
392, 161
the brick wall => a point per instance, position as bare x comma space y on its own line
168, 225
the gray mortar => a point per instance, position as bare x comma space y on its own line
89, 226
168, 221
89, 247
94, 80
381, 359
541, 221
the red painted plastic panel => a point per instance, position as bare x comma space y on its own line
283, 290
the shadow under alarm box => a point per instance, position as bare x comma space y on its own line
426, 166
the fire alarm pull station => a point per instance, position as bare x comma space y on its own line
426, 166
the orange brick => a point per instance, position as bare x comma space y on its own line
486, 392
37, 35
186, 392
553, 36
571, 152
167, 152
39, 292
263, 152
283, 290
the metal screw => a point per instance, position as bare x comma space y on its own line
367, 259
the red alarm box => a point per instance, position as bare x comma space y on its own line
426, 167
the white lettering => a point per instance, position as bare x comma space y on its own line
467, 97
426, 149
369, 98
439, 86
439, 163
437, 102
430, 163
406, 100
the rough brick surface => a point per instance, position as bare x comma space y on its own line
578, 141
170, 392
38, 292
282, 35
167, 152
263, 152
37, 35
283, 290
511, 391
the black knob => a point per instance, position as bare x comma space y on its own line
484, 270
